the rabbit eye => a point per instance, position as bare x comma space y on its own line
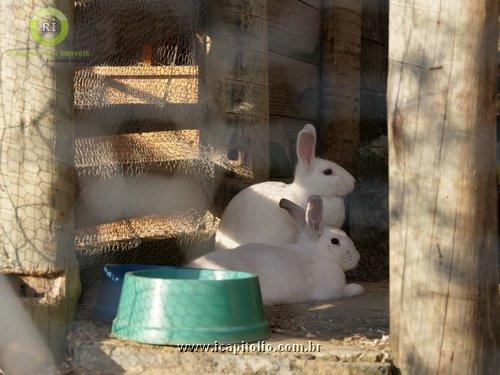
335, 241
328, 172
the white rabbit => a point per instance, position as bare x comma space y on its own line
253, 214
310, 270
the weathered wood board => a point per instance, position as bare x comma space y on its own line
294, 77
137, 118
149, 228
237, 89
293, 88
294, 30
282, 145
313, 3
340, 73
111, 85
151, 147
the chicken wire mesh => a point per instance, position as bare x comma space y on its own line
145, 181
144, 67
139, 108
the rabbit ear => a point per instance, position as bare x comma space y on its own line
306, 144
314, 214
296, 212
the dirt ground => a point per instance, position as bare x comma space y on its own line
353, 334
360, 318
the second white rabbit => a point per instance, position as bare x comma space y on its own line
310, 270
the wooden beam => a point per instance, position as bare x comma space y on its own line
443, 222
158, 85
283, 133
137, 118
137, 148
340, 77
37, 186
312, 3
122, 233
237, 87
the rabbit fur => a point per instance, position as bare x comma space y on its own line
253, 215
311, 269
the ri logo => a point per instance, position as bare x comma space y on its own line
49, 27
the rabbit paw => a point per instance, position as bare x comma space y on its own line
353, 290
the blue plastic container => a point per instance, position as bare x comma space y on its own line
111, 288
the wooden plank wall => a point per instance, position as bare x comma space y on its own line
294, 29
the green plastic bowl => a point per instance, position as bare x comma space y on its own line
190, 306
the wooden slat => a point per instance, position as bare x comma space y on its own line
314, 3
293, 88
237, 87
282, 139
144, 228
137, 118
147, 71
252, 65
242, 99
107, 85
341, 81
240, 24
294, 30
136, 148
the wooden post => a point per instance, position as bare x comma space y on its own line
340, 81
443, 228
36, 184
237, 87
